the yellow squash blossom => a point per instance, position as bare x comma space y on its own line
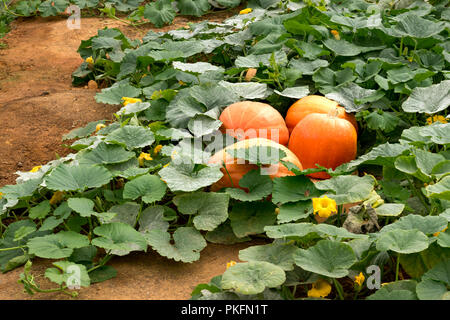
436, 118
320, 289
246, 11
231, 263
166, 165
1, 195
277, 210
57, 197
99, 126
144, 156
324, 207
36, 169
359, 279
90, 60
127, 100
336, 34
437, 233
157, 149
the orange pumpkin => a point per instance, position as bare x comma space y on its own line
248, 119
236, 170
315, 104
323, 139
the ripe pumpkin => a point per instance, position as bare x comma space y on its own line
248, 119
315, 104
237, 170
323, 139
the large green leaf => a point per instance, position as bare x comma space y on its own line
77, 178
159, 12
193, 7
293, 189
402, 241
114, 94
429, 99
258, 186
57, 246
347, 189
249, 218
131, 137
279, 254
149, 187
252, 277
327, 258
426, 224
105, 154
119, 238
440, 190
71, 274
186, 247
210, 209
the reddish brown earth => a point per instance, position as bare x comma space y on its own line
37, 106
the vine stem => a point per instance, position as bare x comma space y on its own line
12, 248
397, 268
338, 289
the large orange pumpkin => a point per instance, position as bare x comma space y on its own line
248, 119
323, 139
315, 104
236, 170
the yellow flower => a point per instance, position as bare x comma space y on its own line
277, 210
90, 60
436, 118
166, 165
231, 263
144, 156
324, 207
36, 169
57, 197
99, 126
336, 34
320, 289
437, 233
181, 83
1, 195
359, 279
157, 149
127, 100
245, 11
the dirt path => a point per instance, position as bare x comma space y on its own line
37, 106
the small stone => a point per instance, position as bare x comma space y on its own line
92, 84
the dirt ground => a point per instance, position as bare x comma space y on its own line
37, 106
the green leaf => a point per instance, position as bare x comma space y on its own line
159, 12
289, 230
402, 241
435, 282
83, 206
131, 137
134, 108
293, 189
82, 132
294, 92
294, 211
202, 125
126, 213
188, 242
439, 190
53, 7
210, 209
69, 273
258, 186
120, 238
224, 234
279, 254
416, 27
57, 246
307, 67
249, 218
247, 90
182, 177
149, 187
327, 258
77, 178
390, 209
430, 99
153, 218
40, 211
193, 7
105, 154
102, 273
252, 277
399, 290
353, 97
259, 154
342, 47
115, 93
416, 264
347, 189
